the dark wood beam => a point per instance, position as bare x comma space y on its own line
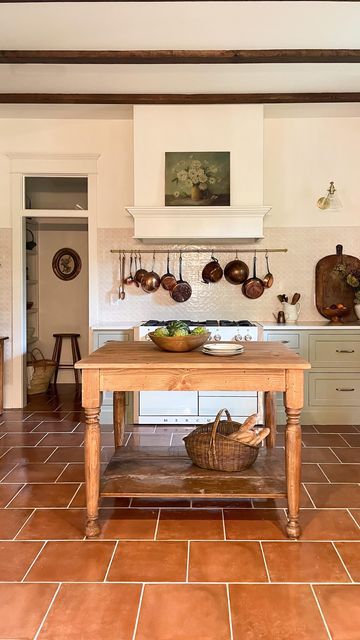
169, 56
176, 98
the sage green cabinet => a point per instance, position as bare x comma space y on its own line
99, 338
332, 386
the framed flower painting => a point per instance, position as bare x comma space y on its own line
197, 178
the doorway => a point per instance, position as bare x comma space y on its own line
56, 286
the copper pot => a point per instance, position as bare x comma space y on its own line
236, 271
140, 272
212, 272
151, 281
168, 280
253, 287
182, 290
268, 280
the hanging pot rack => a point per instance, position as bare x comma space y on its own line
210, 250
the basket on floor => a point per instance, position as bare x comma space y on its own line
209, 447
40, 371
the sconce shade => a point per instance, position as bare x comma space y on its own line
331, 201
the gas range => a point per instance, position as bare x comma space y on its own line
225, 330
198, 407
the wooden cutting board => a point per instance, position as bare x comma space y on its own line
330, 288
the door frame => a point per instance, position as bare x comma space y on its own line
22, 165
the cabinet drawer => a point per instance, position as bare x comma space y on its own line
334, 351
101, 338
291, 339
331, 389
245, 406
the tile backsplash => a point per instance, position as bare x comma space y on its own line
293, 271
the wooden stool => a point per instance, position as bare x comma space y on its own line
73, 337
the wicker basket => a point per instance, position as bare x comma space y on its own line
209, 447
41, 370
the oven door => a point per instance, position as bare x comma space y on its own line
168, 403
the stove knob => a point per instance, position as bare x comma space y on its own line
248, 337
238, 337
217, 337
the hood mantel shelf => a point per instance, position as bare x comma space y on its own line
199, 223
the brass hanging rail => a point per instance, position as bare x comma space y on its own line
210, 250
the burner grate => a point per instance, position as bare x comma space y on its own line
204, 323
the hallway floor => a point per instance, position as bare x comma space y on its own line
171, 570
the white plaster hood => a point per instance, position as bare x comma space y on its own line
199, 223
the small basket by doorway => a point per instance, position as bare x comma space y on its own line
40, 371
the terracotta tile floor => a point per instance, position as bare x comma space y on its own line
171, 569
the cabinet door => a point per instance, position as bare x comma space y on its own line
99, 339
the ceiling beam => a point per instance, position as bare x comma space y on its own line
168, 1
176, 98
168, 56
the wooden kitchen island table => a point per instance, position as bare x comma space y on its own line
167, 472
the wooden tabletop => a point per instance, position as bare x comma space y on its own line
145, 355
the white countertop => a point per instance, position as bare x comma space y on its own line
311, 325
315, 324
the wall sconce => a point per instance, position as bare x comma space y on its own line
331, 201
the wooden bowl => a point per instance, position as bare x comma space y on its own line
335, 315
179, 343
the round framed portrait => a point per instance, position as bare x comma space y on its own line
66, 264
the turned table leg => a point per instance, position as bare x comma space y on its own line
92, 470
270, 418
293, 404
91, 404
119, 417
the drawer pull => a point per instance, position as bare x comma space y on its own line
284, 341
344, 389
345, 350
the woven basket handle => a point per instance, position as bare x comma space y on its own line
34, 358
216, 424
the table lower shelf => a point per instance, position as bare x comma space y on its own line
167, 472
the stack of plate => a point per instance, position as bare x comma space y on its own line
222, 348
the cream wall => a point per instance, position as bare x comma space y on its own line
112, 139
63, 304
301, 156
234, 128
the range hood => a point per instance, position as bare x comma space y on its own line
236, 129
199, 223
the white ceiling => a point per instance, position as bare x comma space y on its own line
179, 25
258, 78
